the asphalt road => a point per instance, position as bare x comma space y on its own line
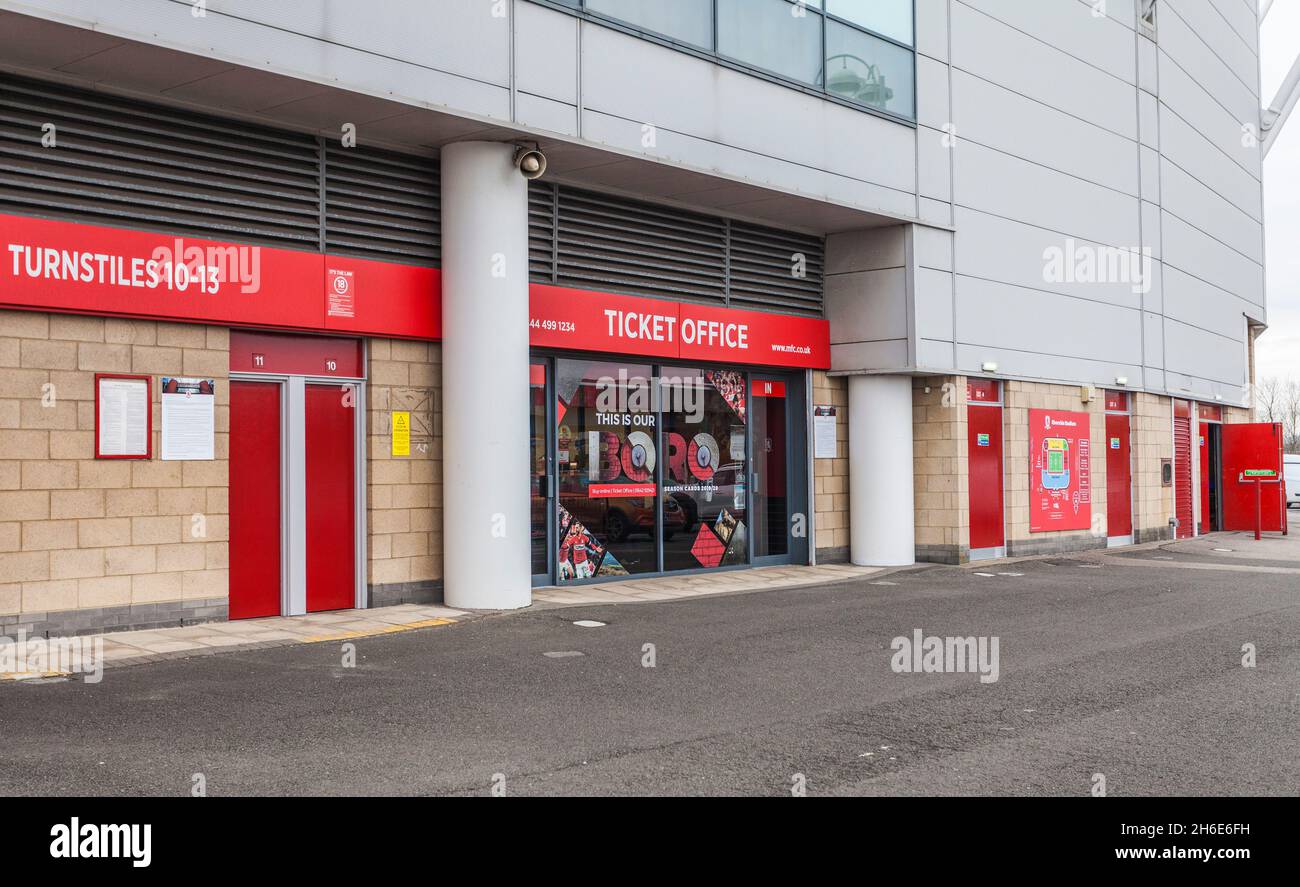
1107, 665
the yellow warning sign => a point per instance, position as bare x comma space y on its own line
401, 433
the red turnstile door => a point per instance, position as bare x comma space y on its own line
984, 446
330, 435
1119, 482
1251, 447
254, 499
1183, 468
1203, 440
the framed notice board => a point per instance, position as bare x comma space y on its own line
123, 416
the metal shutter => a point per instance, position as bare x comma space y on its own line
1183, 475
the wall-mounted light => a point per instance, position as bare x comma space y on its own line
989, 366
1218, 397
1121, 381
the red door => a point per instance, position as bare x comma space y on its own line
1119, 483
254, 499
1252, 447
984, 446
1183, 468
1207, 470
331, 497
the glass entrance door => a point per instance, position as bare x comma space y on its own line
639, 469
772, 469
540, 491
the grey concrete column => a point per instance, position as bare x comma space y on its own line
486, 514
882, 522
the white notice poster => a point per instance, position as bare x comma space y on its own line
824, 432
123, 420
188, 418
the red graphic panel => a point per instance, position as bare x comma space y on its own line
708, 548
984, 447
1060, 471
983, 391
589, 321
67, 266
1119, 480
254, 351
254, 499
1255, 447
331, 497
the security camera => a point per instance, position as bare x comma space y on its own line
530, 162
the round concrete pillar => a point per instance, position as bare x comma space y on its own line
882, 524
485, 433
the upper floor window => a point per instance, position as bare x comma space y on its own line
860, 51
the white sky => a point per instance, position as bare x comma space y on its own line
1278, 350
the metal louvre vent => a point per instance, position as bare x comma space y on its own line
120, 162
636, 248
382, 205
596, 241
775, 269
541, 232
131, 164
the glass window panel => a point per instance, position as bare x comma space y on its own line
770, 34
893, 18
869, 71
705, 501
690, 21
605, 470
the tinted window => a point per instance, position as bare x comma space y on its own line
768, 34
868, 70
893, 18
690, 21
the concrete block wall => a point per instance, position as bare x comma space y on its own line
831, 476
941, 479
85, 542
404, 493
1151, 438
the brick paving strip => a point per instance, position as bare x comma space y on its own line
135, 647
152, 645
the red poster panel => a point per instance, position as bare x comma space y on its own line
1119, 479
1249, 451
1060, 471
984, 450
254, 499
